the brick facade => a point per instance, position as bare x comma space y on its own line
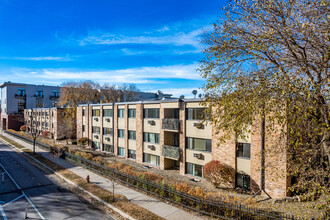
275, 176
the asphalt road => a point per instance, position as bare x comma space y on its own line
25, 188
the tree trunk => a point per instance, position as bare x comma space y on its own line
326, 145
34, 145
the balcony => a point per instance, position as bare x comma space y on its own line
54, 97
171, 152
20, 96
172, 124
39, 96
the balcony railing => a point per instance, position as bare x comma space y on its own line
39, 96
52, 97
20, 96
171, 124
171, 152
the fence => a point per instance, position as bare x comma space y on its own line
217, 209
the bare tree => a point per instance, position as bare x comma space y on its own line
270, 59
119, 93
33, 127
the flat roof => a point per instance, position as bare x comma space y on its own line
171, 100
21, 84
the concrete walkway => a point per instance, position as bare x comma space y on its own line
156, 206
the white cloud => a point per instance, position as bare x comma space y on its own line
191, 38
50, 58
163, 29
130, 75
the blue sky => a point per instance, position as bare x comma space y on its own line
154, 44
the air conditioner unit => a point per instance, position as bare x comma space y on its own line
96, 119
151, 147
107, 120
198, 125
151, 122
107, 139
96, 136
198, 156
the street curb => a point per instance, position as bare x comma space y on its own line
123, 214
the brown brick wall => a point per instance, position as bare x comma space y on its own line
182, 116
275, 179
139, 133
161, 139
79, 122
224, 152
126, 131
90, 124
115, 129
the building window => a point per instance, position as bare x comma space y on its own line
39, 103
151, 137
21, 92
107, 112
151, 113
83, 128
96, 145
121, 133
107, 131
83, 112
131, 113
95, 130
243, 150
54, 94
39, 93
151, 159
96, 112
199, 144
195, 113
121, 151
121, 113
108, 148
21, 105
132, 135
194, 169
132, 154
243, 181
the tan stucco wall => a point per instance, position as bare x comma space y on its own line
171, 105
149, 151
192, 131
132, 144
151, 128
132, 124
121, 123
191, 159
243, 166
121, 142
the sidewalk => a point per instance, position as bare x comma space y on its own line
153, 205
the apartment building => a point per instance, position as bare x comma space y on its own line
15, 97
169, 134
48, 119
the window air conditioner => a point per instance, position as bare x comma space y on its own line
151, 147
151, 122
198, 156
